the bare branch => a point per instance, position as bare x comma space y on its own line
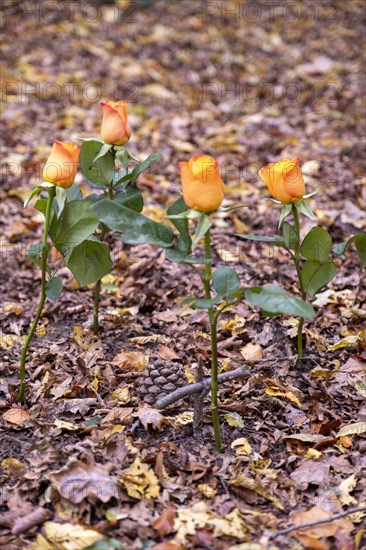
319, 522
191, 389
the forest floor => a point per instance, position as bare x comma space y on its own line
86, 458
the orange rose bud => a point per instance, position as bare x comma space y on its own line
284, 180
203, 188
62, 164
115, 128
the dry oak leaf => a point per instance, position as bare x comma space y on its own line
164, 524
66, 536
241, 480
352, 429
16, 416
200, 515
167, 353
140, 481
252, 352
148, 416
123, 414
310, 536
122, 395
231, 524
182, 419
77, 480
308, 473
130, 361
344, 489
65, 425
189, 520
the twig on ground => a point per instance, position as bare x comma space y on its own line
204, 386
319, 522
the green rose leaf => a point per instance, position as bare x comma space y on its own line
290, 237
78, 220
285, 211
206, 304
225, 280
97, 163
35, 254
136, 228
317, 244
203, 226
305, 209
360, 244
276, 239
274, 299
35, 191
89, 261
184, 241
315, 275
41, 205
141, 167
130, 197
54, 288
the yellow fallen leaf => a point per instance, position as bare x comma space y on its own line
182, 419
314, 454
94, 384
122, 395
346, 441
65, 425
140, 481
242, 447
230, 525
41, 330
191, 377
189, 520
252, 352
276, 392
16, 416
344, 489
234, 419
7, 341
12, 466
235, 326
350, 341
118, 428
13, 308
67, 536
206, 490
261, 466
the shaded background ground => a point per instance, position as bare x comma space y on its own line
247, 83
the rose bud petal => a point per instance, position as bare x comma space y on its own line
284, 180
62, 164
115, 128
203, 188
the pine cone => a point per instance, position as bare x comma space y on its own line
159, 379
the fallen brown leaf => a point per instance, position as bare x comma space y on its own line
164, 524
16, 416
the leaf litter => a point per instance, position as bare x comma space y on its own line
87, 463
